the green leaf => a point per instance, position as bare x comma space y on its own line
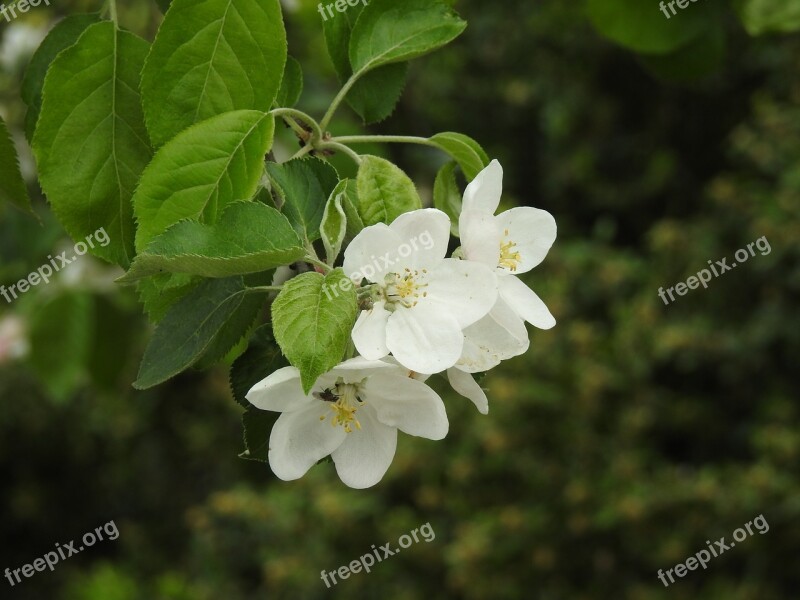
250, 237
767, 16
91, 143
12, 186
312, 319
384, 191
467, 152
217, 312
257, 429
211, 57
262, 357
291, 85
447, 196
64, 34
350, 204
61, 333
374, 96
202, 171
334, 223
159, 293
642, 27
337, 32
304, 185
389, 31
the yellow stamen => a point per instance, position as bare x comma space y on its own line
345, 407
509, 258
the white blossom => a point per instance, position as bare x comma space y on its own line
422, 301
352, 414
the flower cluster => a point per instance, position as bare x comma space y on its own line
422, 314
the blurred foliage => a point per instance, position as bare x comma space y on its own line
626, 437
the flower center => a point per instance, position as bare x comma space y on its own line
509, 258
404, 288
344, 402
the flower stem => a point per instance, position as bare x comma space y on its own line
291, 114
338, 100
265, 288
318, 263
302, 152
340, 148
385, 139
112, 7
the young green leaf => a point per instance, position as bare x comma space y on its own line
262, 357
446, 195
64, 34
202, 171
291, 85
467, 152
334, 223
389, 31
312, 319
12, 186
350, 204
304, 185
249, 237
218, 311
384, 191
90, 142
212, 57
374, 96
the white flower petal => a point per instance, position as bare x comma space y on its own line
424, 338
369, 332
533, 232
299, 439
480, 237
464, 384
525, 302
371, 253
425, 235
280, 392
463, 288
365, 455
407, 404
498, 336
360, 363
483, 193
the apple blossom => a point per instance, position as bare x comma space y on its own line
352, 414
421, 300
511, 243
